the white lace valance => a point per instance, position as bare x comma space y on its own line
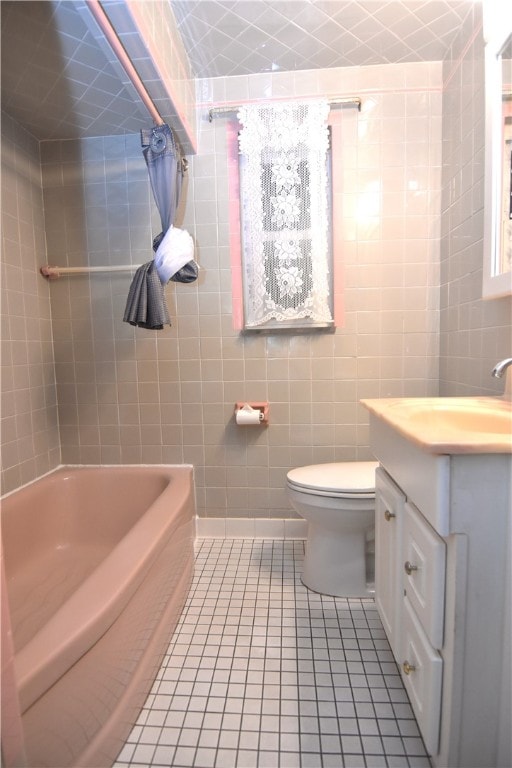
285, 213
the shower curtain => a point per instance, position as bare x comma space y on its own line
174, 249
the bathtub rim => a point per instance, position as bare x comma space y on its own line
91, 466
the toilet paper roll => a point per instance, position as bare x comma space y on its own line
248, 415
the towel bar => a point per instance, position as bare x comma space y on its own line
54, 272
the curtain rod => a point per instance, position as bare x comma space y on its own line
333, 103
53, 272
123, 58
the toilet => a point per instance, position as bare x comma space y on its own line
338, 502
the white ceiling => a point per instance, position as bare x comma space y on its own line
60, 81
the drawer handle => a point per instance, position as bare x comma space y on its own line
409, 567
408, 668
389, 515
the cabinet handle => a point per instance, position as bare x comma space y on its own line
408, 668
409, 567
389, 515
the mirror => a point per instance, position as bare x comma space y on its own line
497, 273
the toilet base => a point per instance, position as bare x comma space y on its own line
335, 565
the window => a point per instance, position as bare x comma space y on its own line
286, 215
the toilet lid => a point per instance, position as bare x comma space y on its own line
343, 478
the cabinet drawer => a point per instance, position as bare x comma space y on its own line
422, 673
424, 564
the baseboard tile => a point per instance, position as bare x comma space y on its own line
250, 528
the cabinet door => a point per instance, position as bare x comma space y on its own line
422, 673
389, 508
424, 563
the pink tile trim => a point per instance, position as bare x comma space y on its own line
361, 93
235, 245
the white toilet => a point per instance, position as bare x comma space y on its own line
338, 501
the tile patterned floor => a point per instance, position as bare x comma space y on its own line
262, 672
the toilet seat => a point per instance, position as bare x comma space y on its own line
346, 479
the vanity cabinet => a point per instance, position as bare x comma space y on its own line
409, 593
442, 588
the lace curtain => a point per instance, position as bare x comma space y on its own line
285, 212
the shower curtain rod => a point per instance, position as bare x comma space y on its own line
123, 58
52, 272
333, 103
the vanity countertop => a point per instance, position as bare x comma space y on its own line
449, 425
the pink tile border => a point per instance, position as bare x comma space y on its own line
235, 245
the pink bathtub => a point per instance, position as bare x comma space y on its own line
98, 564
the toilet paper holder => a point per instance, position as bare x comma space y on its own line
263, 409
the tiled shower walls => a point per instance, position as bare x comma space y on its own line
133, 396
29, 426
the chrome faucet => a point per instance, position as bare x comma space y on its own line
498, 371
500, 368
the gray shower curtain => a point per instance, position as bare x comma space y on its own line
146, 306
